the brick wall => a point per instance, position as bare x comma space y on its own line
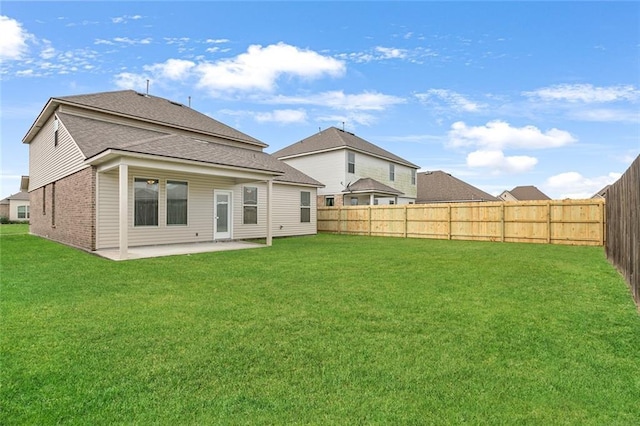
4, 210
337, 200
64, 211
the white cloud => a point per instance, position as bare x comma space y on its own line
607, 115
366, 101
379, 53
282, 116
172, 69
574, 185
498, 162
585, 93
453, 100
498, 135
260, 67
125, 18
127, 40
13, 43
217, 40
391, 53
127, 80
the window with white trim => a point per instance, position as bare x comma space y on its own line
305, 206
145, 209
392, 172
413, 176
177, 200
23, 212
351, 162
250, 205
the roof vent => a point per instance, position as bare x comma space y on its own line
176, 103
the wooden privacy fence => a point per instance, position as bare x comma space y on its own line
623, 227
578, 222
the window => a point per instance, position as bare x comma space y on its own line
23, 212
392, 172
354, 201
413, 177
305, 206
351, 162
177, 197
250, 205
145, 202
55, 131
329, 201
44, 200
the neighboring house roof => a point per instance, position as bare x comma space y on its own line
332, 139
18, 196
602, 193
371, 185
528, 192
129, 103
439, 187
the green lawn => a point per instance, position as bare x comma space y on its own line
318, 330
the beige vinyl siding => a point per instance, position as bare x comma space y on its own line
378, 169
329, 168
286, 211
49, 163
107, 232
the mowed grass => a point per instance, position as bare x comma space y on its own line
322, 329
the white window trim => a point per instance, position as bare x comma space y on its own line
166, 201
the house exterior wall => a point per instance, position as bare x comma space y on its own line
199, 228
13, 210
49, 163
4, 210
64, 210
330, 168
506, 196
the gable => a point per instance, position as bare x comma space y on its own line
334, 139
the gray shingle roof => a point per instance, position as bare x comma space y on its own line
334, 138
371, 185
96, 136
159, 110
528, 192
22, 196
439, 187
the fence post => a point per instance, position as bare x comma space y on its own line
548, 222
339, 220
449, 220
601, 227
502, 222
369, 220
405, 221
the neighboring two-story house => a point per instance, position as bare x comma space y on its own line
120, 169
353, 170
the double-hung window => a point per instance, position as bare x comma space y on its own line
305, 206
250, 205
351, 162
177, 200
145, 202
413, 176
392, 172
23, 212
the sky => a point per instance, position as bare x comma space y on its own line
498, 94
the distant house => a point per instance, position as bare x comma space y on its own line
523, 193
602, 194
118, 169
15, 207
353, 170
441, 187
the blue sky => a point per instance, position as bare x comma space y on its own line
498, 94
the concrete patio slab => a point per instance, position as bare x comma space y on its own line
177, 249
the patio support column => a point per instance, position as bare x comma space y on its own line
123, 205
371, 198
269, 211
